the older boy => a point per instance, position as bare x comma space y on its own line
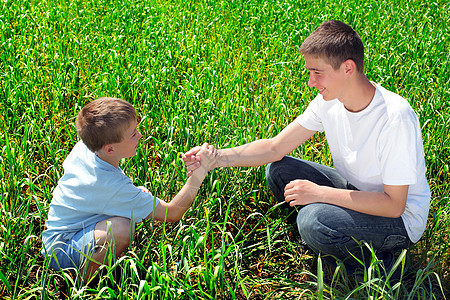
377, 191
95, 205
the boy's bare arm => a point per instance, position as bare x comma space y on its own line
175, 209
391, 203
257, 153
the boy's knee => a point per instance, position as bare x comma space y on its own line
315, 224
274, 166
269, 171
274, 169
115, 228
307, 221
122, 230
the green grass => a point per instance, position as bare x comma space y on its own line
223, 72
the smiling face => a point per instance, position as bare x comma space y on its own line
329, 82
127, 147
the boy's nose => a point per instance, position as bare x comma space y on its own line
311, 81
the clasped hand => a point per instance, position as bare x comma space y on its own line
296, 192
200, 156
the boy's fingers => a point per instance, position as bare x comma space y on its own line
193, 166
192, 152
191, 159
213, 150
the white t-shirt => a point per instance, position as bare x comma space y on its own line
381, 144
91, 191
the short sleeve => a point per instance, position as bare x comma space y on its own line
130, 202
310, 118
398, 152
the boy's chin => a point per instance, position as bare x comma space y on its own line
327, 97
131, 155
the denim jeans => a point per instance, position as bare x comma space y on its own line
335, 231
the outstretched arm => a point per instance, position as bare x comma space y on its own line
256, 153
175, 209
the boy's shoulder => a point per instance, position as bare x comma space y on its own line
392, 98
397, 107
82, 162
79, 153
86, 175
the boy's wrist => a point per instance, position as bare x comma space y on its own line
199, 173
220, 161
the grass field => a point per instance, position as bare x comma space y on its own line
223, 72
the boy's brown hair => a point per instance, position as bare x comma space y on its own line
335, 42
104, 121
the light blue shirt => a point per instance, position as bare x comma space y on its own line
91, 190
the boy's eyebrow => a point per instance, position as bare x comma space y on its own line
313, 69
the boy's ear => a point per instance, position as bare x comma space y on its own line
108, 149
349, 67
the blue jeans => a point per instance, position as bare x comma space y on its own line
335, 231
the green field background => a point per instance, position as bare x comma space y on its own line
222, 72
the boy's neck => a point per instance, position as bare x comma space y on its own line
360, 94
112, 160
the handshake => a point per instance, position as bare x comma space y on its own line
200, 159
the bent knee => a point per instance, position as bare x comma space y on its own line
318, 227
275, 166
122, 229
116, 228
312, 221
276, 170
309, 214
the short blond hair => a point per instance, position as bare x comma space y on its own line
104, 121
335, 42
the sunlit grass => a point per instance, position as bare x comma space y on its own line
223, 72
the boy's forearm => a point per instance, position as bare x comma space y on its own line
390, 203
254, 154
184, 198
264, 151
373, 203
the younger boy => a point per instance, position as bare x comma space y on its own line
95, 205
377, 191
